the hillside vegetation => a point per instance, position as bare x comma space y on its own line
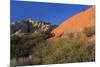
36, 49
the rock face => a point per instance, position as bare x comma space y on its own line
30, 26
76, 23
38, 24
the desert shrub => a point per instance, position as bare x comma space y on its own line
15, 39
63, 51
70, 35
22, 46
89, 31
50, 52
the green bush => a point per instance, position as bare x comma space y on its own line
64, 51
22, 46
89, 31
44, 52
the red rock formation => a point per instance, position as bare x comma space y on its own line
76, 23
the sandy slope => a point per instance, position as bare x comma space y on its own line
76, 23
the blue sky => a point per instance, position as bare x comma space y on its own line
50, 12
